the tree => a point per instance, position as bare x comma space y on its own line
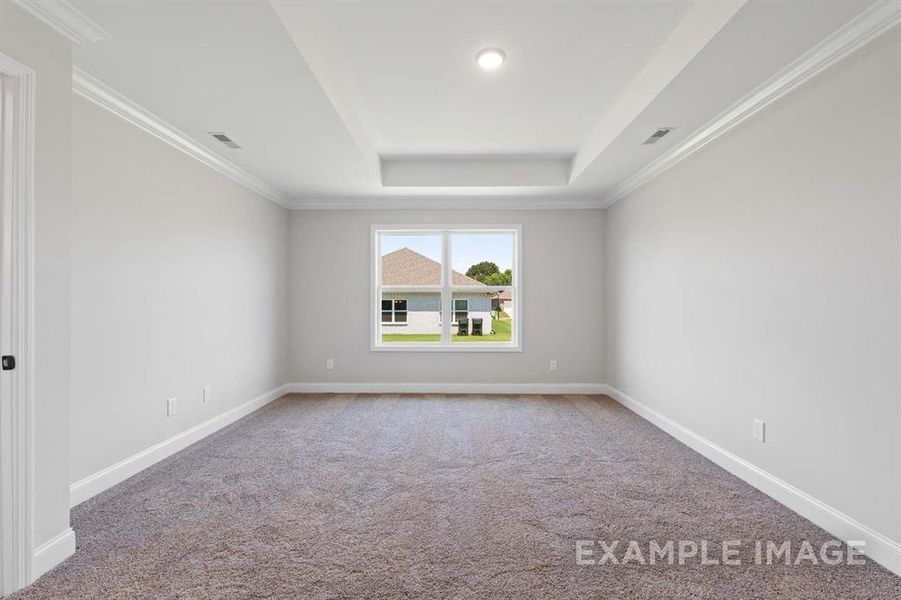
482, 270
505, 278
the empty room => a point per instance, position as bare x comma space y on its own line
450, 299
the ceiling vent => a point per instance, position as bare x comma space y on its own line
657, 135
225, 140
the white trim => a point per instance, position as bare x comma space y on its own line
447, 289
467, 203
456, 347
879, 547
102, 95
20, 427
858, 32
65, 19
53, 552
446, 388
104, 479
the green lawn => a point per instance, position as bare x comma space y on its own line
503, 332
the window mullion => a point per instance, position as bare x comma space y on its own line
446, 280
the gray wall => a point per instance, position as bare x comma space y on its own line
760, 279
37, 46
329, 264
179, 280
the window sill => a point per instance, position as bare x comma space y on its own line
437, 347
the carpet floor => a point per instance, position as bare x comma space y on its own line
437, 496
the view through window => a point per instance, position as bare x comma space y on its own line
452, 288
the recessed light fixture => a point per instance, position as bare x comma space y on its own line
490, 58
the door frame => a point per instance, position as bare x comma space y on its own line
17, 431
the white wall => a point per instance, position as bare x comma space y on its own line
50, 55
329, 265
760, 278
179, 280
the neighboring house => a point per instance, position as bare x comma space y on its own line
420, 312
504, 302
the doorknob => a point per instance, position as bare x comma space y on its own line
9, 362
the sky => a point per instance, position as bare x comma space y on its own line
467, 249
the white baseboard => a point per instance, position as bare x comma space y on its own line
880, 548
52, 552
446, 388
92, 485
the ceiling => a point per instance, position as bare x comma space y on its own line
408, 69
366, 100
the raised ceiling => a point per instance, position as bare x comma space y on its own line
408, 70
332, 101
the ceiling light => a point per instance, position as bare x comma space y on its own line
490, 58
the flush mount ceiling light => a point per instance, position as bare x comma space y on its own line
490, 58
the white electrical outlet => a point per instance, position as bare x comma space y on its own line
207, 394
554, 365
759, 430
170, 407
329, 364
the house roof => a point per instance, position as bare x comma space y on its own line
406, 267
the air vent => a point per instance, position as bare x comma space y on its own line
225, 140
657, 135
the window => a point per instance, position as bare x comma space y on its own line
461, 310
394, 311
452, 288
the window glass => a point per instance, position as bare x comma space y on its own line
461, 310
489, 317
400, 311
410, 259
411, 317
482, 258
445, 286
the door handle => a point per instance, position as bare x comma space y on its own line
9, 362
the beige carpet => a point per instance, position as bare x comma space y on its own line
385, 496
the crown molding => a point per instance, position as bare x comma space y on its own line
447, 203
99, 93
855, 34
65, 19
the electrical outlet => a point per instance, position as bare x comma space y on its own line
207, 394
170, 407
329, 364
759, 430
554, 365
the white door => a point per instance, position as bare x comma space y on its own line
6, 389
16, 328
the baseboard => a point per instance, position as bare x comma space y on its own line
52, 552
446, 388
92, 485
880, 548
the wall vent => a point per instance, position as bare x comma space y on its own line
225, 140
657, 135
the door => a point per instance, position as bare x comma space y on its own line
16, 325
6, 451
6, 389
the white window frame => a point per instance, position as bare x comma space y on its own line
446, 289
